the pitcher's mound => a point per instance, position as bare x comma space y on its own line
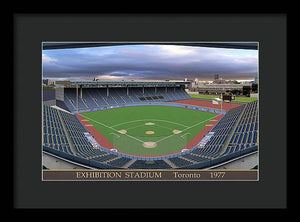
149, 144
149, 124
122, 131
149, 132
176, 131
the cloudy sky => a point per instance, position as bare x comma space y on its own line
152, 62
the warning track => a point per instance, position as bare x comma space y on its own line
208, 104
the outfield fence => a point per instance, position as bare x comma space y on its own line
199, 108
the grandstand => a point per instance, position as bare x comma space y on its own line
245, 134
88, 95
54, 134
234, 135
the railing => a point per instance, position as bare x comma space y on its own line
204, 109
201, 165
222, 159
76, 159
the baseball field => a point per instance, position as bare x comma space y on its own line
149, 130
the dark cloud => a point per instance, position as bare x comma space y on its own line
150, 62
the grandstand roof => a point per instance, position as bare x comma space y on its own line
66, 45
122, 83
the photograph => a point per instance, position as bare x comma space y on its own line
150, 111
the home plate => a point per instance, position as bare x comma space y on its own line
149, 144
176, 131
122, 131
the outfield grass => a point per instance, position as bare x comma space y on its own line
48, 88
133, 120
237, 99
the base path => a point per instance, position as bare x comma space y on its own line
101, 140
206, 103
105, 143
203, 132
193, 142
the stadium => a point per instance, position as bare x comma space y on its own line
144, 125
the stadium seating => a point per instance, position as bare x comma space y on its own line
179, 162
157, 164
56, 137
245, 134
237, 131
119, 162
53, 133
242, 121
97, 97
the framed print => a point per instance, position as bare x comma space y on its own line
150, 110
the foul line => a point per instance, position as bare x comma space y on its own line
135, 127
149, 119
185, 129
115, 134
184, 134
113, 129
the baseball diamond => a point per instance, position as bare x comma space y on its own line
173, 127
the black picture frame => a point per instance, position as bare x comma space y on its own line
29, 30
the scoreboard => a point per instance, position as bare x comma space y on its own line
227, 97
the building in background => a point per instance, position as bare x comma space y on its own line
219, 85
48, 82
217, 76
218, 79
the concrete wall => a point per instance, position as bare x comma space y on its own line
254, 95
50, 102
62, 105
59, 93
48, 95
